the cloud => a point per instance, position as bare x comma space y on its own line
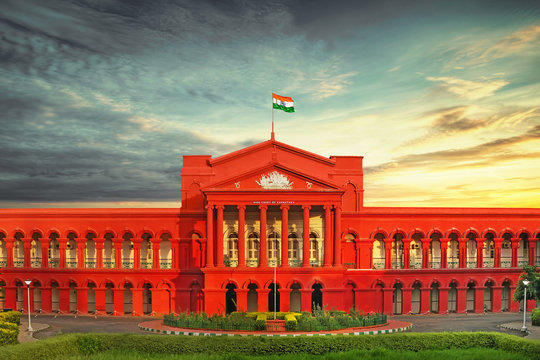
394, 69
511, 44
469, 89
330, 85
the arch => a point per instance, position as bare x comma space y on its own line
470, 231
536, 233
143, 282
351, 231
377, 231
416, 231
316, 296
415, 283
168, 232
472, 281
127, 231
3, 232
37, 231
506, 231
315, 282
435, 281
70, 231
103, 284
434, 231
452, 281
53, 231
452, 230
90, 231
398, 231
523, 231
489, 231
89, 282
18, 230
376, 283
248, 282
165, 284
229, 282
293, 282
110, 231
144, 231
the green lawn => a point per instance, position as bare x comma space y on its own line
377, 354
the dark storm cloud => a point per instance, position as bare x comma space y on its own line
481, 155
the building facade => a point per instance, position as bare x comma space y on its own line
269, 211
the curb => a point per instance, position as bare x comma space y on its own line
203, 333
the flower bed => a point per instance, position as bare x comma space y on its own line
320, 320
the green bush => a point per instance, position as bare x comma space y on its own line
13, 317
260, 322
290, 322
81, 344
535, 316
8, 336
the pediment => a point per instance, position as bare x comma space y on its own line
273, 177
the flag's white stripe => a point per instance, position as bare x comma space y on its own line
284, 103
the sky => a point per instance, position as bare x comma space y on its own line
99, 100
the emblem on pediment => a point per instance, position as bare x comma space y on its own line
274, 180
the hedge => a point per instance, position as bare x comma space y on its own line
9, 327
85, 344
535, 316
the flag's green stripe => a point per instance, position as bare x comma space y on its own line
281, 107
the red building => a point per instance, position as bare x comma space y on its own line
267, 207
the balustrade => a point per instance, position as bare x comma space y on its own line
18, 263
146, 264
165, 264
454, 264
252, 263
108, 264
416, 264
90, 263
3, 262
471, 264
435, 263
35, 263
127, 263
72, 263
522, 262
54, 263
506, 262
488, 263
378, 263
295, 263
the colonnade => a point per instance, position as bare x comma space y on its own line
215, 241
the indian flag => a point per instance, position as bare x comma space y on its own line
283, 103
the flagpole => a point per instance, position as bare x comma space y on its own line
275, 288
272, 134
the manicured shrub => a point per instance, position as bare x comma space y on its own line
535, 316
290, 322
13, 317
260, 322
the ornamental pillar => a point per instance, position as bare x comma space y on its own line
9, 249
63, 299
284, 236
285, 300
242, 237
425, 253
461, 306
44, 254
100, 294
175, 253
305, 236
406, 253
156, 244
479, 292
262, 295
444, 250
497, 255
406, 300
136, 252
137, 301
81, 244
514, 305
62, 246
209, 236
117, 243
337, 236
388, 294
219, 236
46, 300
496, 298
11, 297
479, 253
462, 243
263, 262
305, 300
99, 252
241, 299
515, 245
532, 247
425, 300
387, 253
118, 301
328, 236
27, 245
82, 299
443, 300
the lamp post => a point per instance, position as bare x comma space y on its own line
525, 283
28, 282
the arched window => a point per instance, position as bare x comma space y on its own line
232, 249
294, 252
314, 255
273, 249
253, 250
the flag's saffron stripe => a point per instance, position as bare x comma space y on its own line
282, 98
284, 108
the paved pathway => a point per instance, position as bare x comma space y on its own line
421, 323
392, 327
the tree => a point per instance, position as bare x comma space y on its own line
532, 274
